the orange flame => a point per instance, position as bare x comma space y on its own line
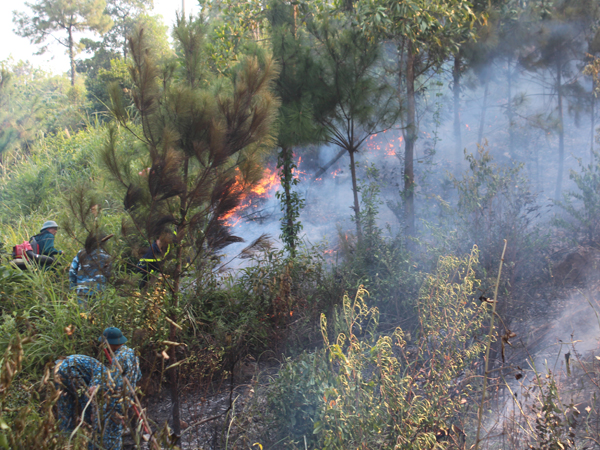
390, 151
296, 173
265, 188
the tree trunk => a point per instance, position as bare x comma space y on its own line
355, 192
561, 132
483, 109
174, 382
286, 168
72, 55
456, 91
410, 136
173, 330
173, 374
592, 112
511, 132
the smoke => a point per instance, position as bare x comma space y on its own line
506, 106
328, 197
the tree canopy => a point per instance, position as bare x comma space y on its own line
60, 20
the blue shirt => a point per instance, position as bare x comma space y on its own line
81, 369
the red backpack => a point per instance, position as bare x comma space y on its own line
20, 250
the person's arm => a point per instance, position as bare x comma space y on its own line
136, 372
73, 272
133, 366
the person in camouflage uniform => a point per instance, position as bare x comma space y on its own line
90, 268
117, 398
74, 376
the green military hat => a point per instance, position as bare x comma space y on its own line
113, 336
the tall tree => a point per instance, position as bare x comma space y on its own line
516, 24
425, 32
475, 53
295, 87
559, 46
353, 102
61, 20
201, 134
125, 15
107, 64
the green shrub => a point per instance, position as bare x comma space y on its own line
582, 206
380, 261
270, 304
496, 203
395, 391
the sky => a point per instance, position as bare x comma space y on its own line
55, 59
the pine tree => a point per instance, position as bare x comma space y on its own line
353, 101
295, 87
559, 42
202, 135
124, 14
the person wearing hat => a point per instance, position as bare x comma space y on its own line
45, 239
123, 354
90, 268
113, 411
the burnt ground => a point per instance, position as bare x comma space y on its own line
204, 414
222, 415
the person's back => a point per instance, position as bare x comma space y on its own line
117, 407
73, 376
90, 268
88, 273
129, 363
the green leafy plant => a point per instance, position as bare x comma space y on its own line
496, 203
291, 202
365, 390
582, 206
380, 260
554, 431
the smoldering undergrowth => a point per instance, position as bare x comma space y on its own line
369, 389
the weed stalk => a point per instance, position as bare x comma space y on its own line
487, 351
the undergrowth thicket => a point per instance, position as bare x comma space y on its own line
382, 350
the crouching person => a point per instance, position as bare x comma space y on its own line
90, 268
45, 239
117, 396
74, 377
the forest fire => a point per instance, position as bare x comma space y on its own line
297, 173
336, 172
388, 145
390, 151
265, 188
